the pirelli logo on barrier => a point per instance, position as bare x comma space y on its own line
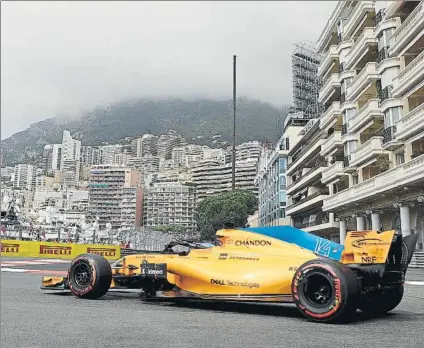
9, 248
55, 250
23, 248
106, 252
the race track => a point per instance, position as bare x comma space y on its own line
33, 319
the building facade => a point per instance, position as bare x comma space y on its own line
373, 123
271, 177
212, 177
170, 204
113, 191
24, 177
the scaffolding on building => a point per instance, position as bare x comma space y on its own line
306, 83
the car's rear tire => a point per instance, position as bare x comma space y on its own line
383, 302
89, 276
325, 291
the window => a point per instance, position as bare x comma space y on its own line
283, 165
400, 158
283, 197
346, 83
392, 116
349, 147
282, 182
287, 144
348, 114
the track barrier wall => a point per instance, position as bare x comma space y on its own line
19, 248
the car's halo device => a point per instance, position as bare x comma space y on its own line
327, 281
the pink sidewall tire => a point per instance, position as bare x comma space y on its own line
89, 276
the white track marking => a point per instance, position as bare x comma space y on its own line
33, 262
55, 260
29, 262
415, 283
15, 270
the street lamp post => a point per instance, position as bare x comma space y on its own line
234, 124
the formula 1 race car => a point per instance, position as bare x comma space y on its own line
327, 281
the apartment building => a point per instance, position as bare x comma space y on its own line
24, 177
170, 204
373, 123
166, 142
271, 176
212, 177
250, 149
147, 145
191, 154
52, 157
91, 155
110, 198
305, 189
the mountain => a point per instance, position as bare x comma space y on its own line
197, 120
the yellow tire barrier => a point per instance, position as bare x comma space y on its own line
19, 248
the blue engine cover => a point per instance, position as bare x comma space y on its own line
309, 241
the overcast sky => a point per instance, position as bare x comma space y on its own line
64, 57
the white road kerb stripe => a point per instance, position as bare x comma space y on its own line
15, 270
415, 282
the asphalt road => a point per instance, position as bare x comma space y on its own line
33, 319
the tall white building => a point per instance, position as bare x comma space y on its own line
24, 177
373, 123
71, 148
52, 156
70, 159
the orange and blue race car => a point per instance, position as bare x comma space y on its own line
327, 281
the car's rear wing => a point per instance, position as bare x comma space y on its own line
378, 248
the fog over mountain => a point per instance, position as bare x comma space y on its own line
67, 57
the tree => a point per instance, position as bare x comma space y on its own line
233, 206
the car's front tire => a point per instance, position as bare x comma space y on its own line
89, 276
325, 291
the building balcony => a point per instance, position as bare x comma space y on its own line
327, 60
365, 115
362, 81
331, 143
330, 115
360, 48
408, 31
330, 27
410, 77
356, 17
411, 124
366, 152
332, 172
411, 172
304, 154
311, 202
307, 179
389, 141
393, 8
328, 88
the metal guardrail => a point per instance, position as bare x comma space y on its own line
127, 251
